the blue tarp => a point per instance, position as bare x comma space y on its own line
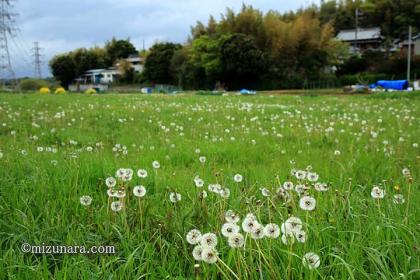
395, 85
246, 91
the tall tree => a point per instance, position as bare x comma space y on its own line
242, 62
64, 69
116, 49
157, 66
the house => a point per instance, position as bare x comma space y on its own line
137, 63
100, 79
362, 40
101, 76
415, 44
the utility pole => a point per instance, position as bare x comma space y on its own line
6, 30
409, 53
357, 28
37, 60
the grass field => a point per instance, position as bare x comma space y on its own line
56, 149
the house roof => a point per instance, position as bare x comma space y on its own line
363, 34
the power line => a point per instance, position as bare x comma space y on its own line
37, 60
6, 30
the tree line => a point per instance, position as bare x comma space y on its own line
252, 49
69, 66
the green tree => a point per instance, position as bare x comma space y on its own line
116, 49
241, 61
158, 63
63, 68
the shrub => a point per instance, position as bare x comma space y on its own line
90, 91
60, 90
32, 84
44, 90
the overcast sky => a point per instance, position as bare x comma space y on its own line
63, 25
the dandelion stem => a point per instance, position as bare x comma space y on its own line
408, 204
228, 268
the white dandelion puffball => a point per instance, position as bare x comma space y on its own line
174, 197
197, 253
156, 164
321, 187
398, 199
311, 260
199, 183
85, 200
238, 178
202, 159
236, 240
300, 174
406, 172
120, 194
272, 231
300, 236
120, 173
110, 182
291, 225
142, 173
312, 177
258, 232
111, 193
208, 240
229, 228
249, 225
377, 193
139, 191
288, 185
209, 255
231, 217
116, 206
307, 203
225, 193
265, 192
194, 236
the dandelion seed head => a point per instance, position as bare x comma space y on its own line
311, 260
229, 228
232, 217
238, 178
236, 240
197, 253
116, 206
110, 182
307, 203
139, 191
85, 200
209, 255
377, 193
194, 236
272, 231
208, 240
174, 197
142, 173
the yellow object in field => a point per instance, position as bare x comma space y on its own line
60, 90
90, 91
44, 90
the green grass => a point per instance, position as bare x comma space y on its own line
261, 137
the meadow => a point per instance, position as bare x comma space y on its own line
211, 187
